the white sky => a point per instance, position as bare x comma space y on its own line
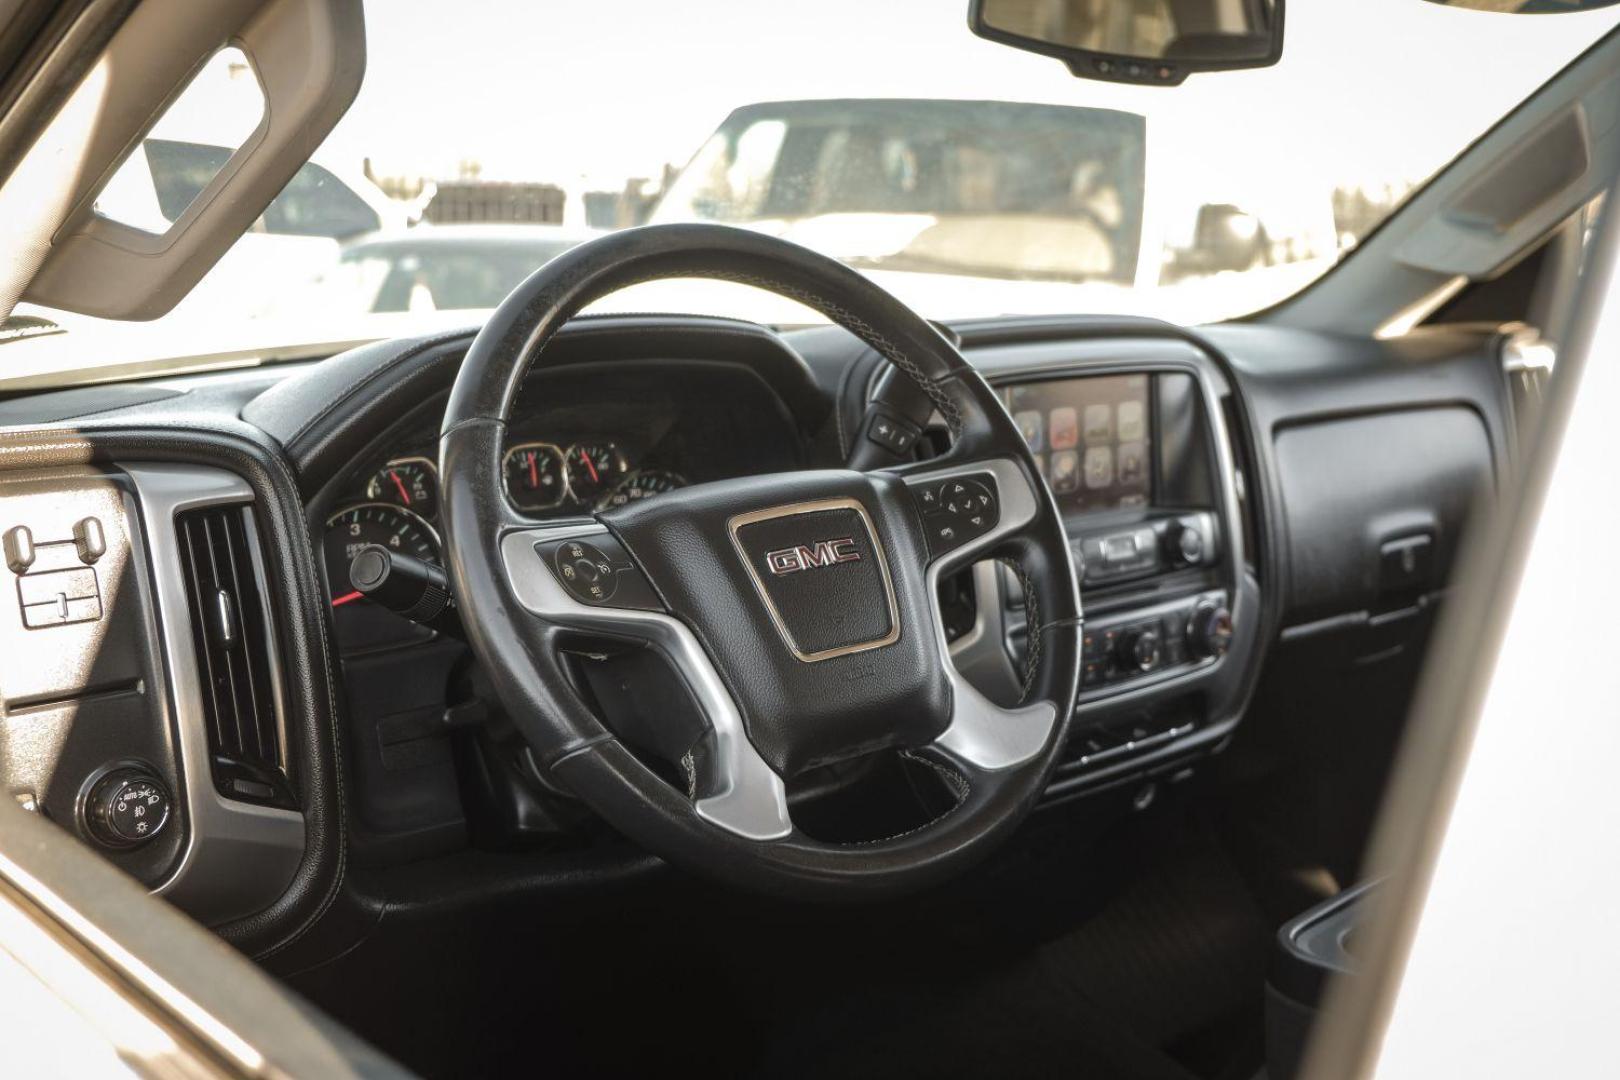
537, 89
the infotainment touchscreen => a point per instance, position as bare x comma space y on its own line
1092, 438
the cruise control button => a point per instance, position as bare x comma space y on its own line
599, 572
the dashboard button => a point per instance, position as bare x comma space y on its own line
891, 434
19, 545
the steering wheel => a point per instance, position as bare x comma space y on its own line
800, 610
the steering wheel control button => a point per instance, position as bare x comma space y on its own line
896, 437
126, 807
599, 572
957, 510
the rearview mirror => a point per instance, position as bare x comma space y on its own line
1154, 42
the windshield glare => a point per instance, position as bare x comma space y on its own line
966, 178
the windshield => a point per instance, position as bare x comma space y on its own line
967, 178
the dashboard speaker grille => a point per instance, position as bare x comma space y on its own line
232, 639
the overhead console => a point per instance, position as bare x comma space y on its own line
1130, 436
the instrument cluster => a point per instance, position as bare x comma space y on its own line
398, 503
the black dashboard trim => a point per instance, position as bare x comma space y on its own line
328, 415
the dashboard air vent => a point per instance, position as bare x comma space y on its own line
233, 646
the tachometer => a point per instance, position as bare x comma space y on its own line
347, 531
593, 468
643, 484
411, 482
534, 476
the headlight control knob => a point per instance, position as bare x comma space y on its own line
127, 807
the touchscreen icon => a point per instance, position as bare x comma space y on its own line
1029, 425
1099, 423
1040, 466
1130, 421
1132, 462
1065, 472
1064, 426
1099, 467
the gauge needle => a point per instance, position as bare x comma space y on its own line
534, 469
339, 601
586, 454
400, 484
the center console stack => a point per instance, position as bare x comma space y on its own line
1127, 459
1137, 459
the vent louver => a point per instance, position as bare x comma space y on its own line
233, 646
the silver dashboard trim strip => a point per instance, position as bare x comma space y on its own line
239, 857
981, 732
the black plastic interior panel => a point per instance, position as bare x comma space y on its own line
1376, 504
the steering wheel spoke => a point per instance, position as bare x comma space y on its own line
969, 510
739, 791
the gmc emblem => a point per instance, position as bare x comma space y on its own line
823, 553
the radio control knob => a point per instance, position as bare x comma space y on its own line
1184, 544
126, 807
1138, 650
1209, 631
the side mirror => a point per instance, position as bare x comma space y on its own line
1150, 42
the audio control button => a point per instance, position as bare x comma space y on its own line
957, 510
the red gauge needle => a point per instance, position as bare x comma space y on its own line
534, 469
339, 601
400, 485
586, 454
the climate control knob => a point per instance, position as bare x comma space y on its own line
127, 807
1209, 631
1184, 544
1138, 650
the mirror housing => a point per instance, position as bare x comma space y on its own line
1146, 42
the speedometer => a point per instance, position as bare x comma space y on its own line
347, 531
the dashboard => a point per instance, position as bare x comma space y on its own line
215, 649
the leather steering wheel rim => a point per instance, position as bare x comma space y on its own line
999, 760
